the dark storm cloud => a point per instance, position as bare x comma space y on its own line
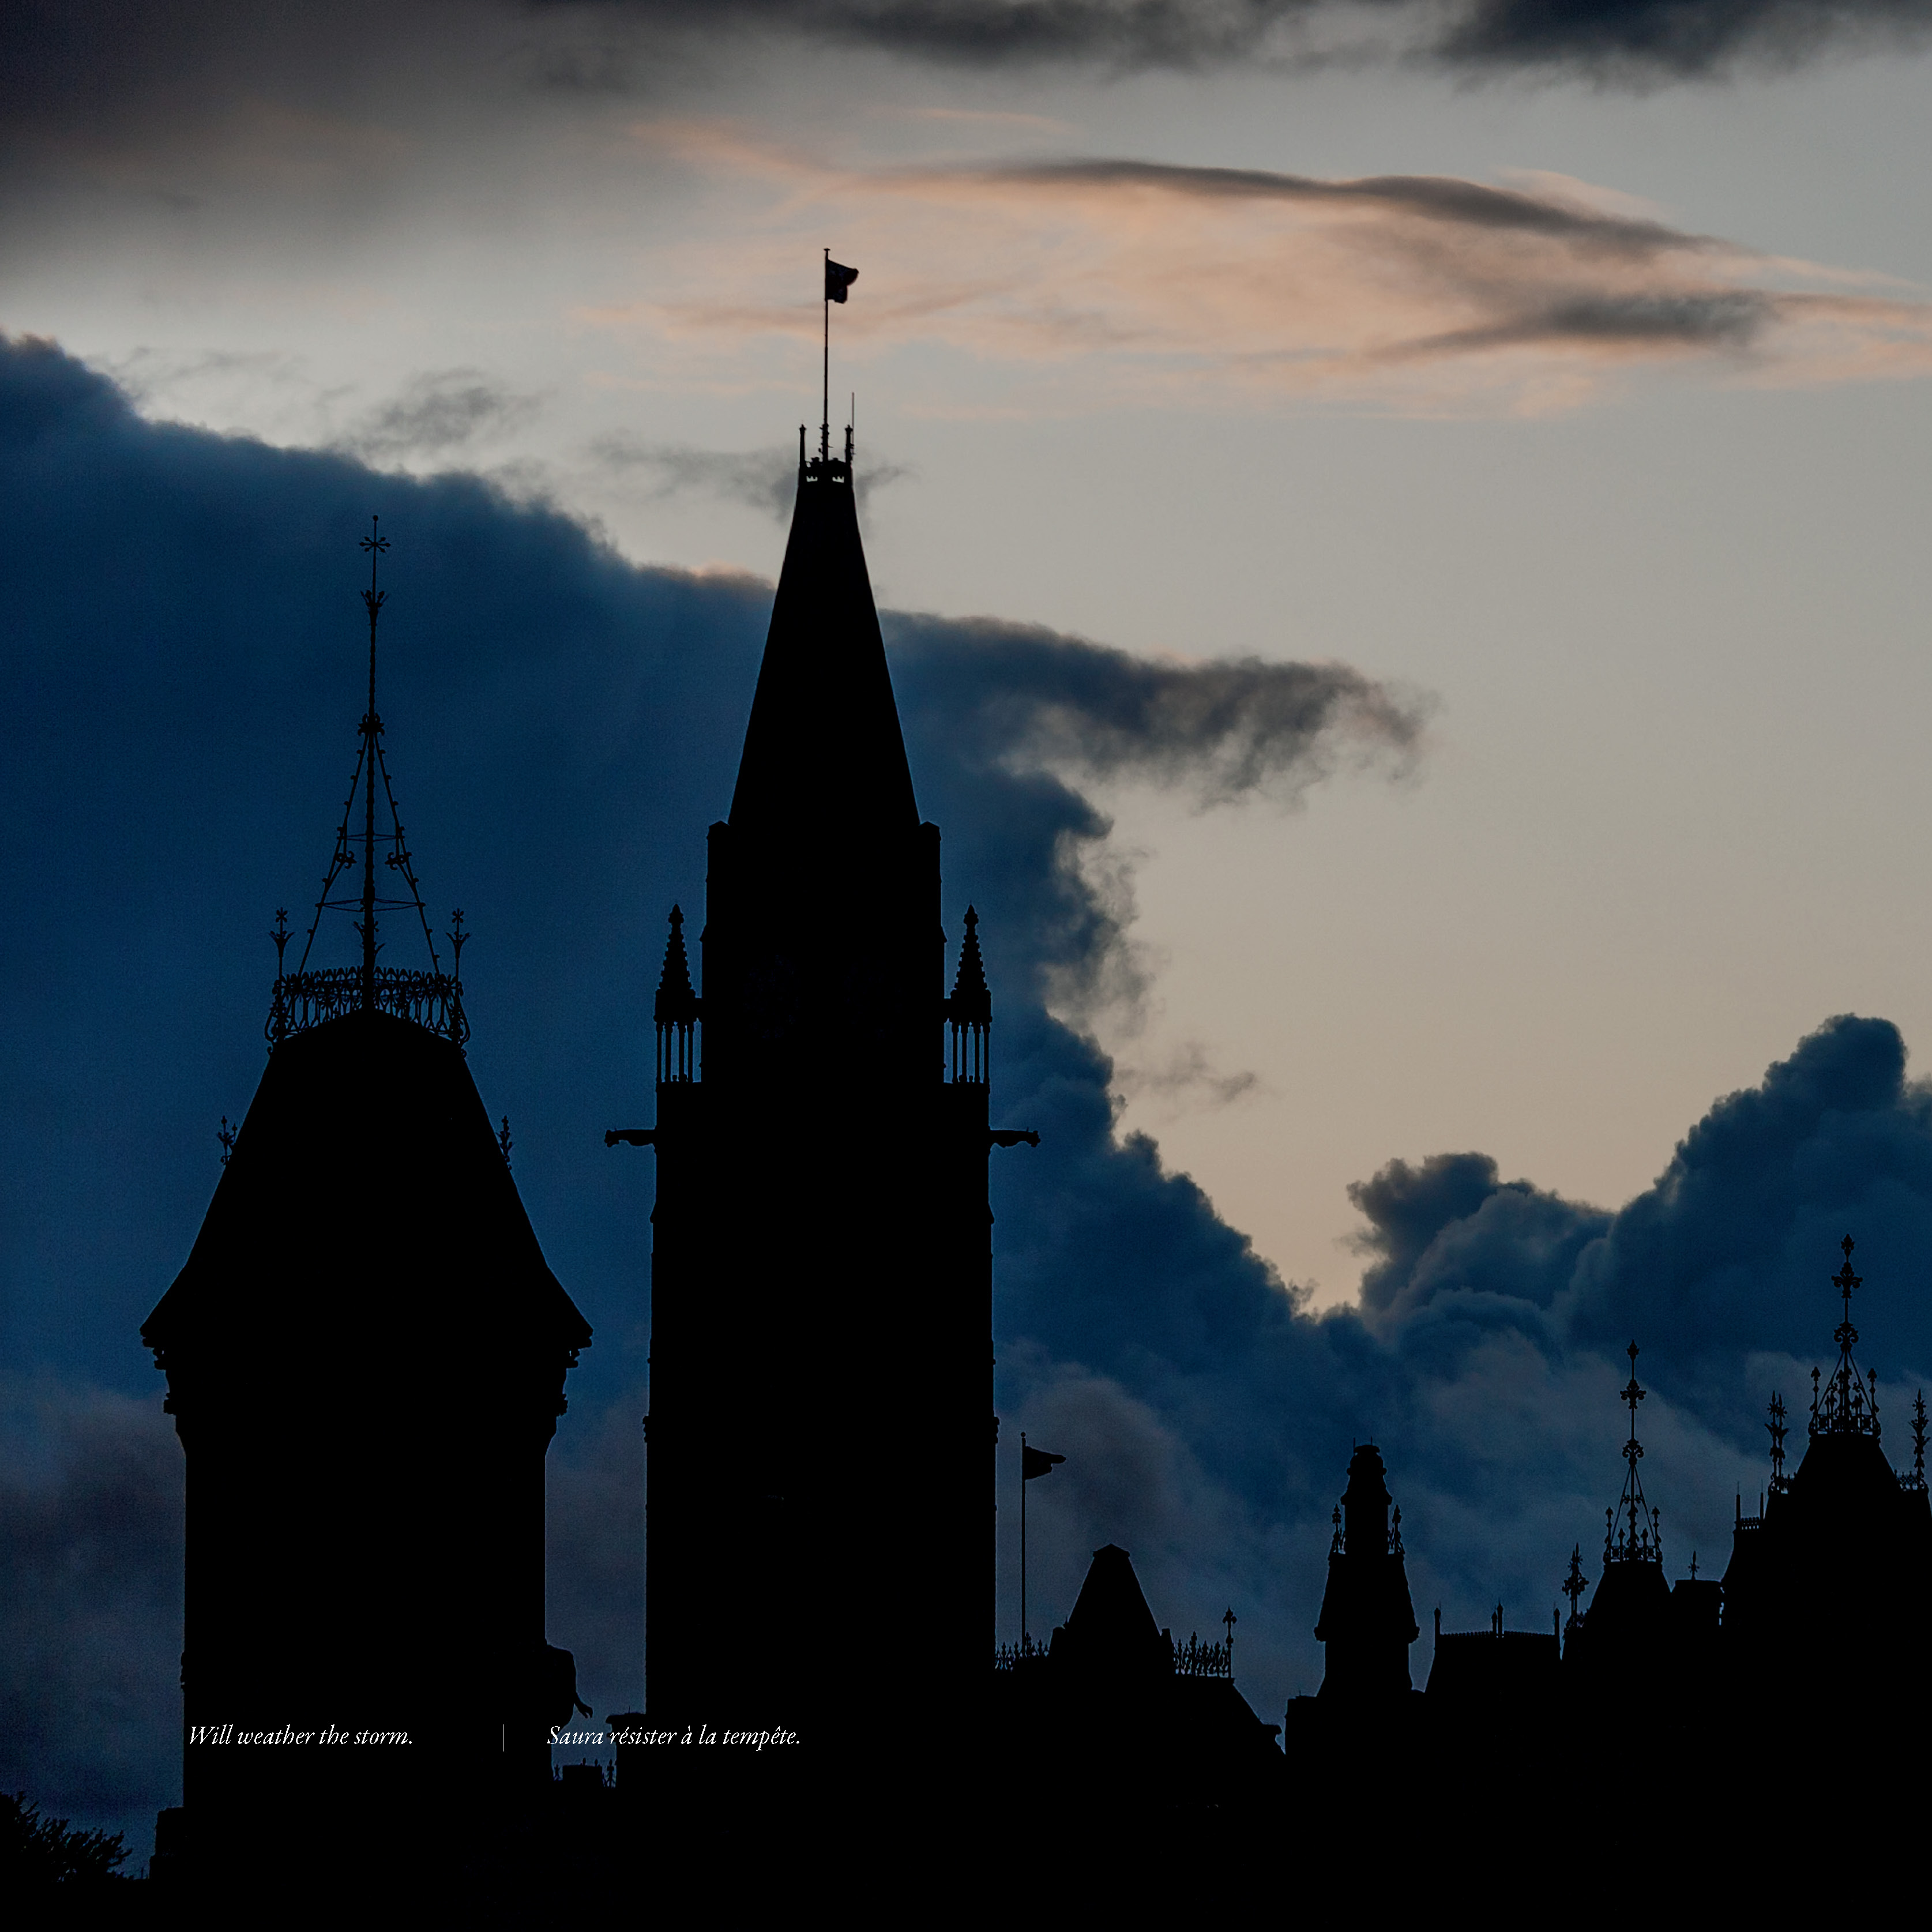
761, 479
436, 414
1659, 40
1219, 731
181, 687
1638, 40
1727, 319
91, 1514
1725, 1256
1433, 197
151, 72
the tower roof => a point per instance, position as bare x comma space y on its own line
676, 998
367, 1194
823, 741
1368, 1617
972, 998
1110, 1627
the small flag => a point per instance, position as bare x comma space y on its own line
1037, 1463
838, 279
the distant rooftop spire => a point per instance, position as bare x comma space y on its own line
1778, 1429
304, 998
1845, 1406
1576, 1582
1631, 1534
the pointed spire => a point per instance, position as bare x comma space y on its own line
677, 1009
971, 998
1630, 1531
1845, 1406
676, 1000
823, 742
1575, 1583
305, 998
970, 1011
1778, 1430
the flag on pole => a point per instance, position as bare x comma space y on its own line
1036, 1461
838, 279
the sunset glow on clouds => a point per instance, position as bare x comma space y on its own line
1094, 282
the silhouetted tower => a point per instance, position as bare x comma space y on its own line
1618, 1643
1830, 1594
1368, 1620
819, 1466
365, 1354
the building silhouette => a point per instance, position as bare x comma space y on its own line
1118, 1720
1367, 1621
1829, 1586
820, 1431
365, 1355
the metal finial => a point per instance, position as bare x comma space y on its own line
226, 1135
1631, 1534
1848, 1403
305, 998
1576, 1583
504, 1142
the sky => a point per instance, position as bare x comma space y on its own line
1398, 526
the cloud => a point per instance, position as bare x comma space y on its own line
437, 414
111, 79
1185, 1077
561, 726
1634, 41
761, 479
1461, 203
1167, 282
90, 1527
1647, 42
1219, 730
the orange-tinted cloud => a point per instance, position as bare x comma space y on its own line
1089, 282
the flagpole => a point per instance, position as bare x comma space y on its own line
825, 417
1023, 1621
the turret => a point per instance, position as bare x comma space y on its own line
365, 1354
1368, 1619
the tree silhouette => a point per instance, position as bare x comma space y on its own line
37, 1851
